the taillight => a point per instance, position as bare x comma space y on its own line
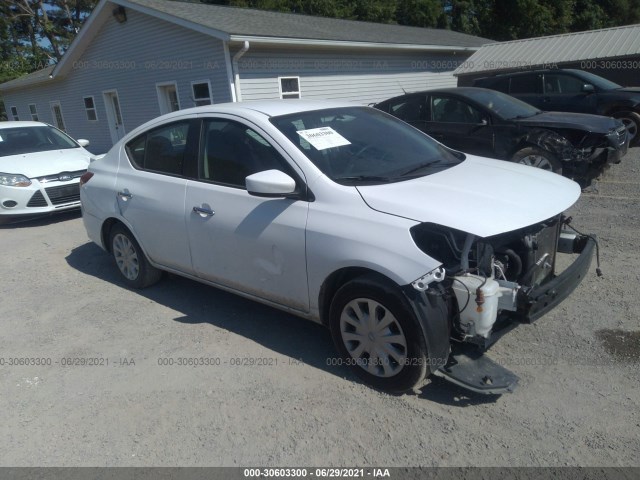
85, 178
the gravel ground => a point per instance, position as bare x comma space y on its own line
578, 402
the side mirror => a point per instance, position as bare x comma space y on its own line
270, 183
588, 88
83, 143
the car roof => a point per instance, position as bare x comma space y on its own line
269, 108
21, 123
547, 70
450, 90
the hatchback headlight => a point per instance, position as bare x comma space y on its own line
14, 180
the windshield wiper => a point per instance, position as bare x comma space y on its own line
519, 117
433, 163
363, 178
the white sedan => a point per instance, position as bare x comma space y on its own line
40, 169
410, 252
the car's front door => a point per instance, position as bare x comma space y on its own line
565, 93
251, 244
460, 125
151, 186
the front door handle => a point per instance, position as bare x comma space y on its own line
125, 195
204, 212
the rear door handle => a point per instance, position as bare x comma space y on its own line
204, 212
125, 195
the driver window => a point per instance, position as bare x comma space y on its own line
558, 83
452, 110
231, 151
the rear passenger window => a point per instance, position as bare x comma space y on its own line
160, 150
525, 84
411, 109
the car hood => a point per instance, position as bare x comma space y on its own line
39, 164
480, 196
628, 89
578, 121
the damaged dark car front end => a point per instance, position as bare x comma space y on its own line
492, 124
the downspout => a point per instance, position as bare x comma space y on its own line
236, 72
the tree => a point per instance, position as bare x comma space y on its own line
36, 33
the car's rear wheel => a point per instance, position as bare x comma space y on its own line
539, 158
631, 120
377, 334
134, 267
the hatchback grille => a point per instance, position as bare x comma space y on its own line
64, 194
37, 200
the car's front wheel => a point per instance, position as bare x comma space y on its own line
631, 120
539, 158
136, 270
378, 335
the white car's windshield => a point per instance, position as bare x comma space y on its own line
354, 145
20, 140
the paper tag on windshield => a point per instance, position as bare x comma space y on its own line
323, 138
1, 138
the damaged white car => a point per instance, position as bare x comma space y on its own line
407, 250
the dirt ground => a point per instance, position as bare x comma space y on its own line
105, 392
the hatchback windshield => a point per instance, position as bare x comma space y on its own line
19, 140
503, 105
355, 145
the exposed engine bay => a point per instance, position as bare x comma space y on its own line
491, 279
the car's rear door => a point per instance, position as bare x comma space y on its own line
251, 244
528, 88
460, 125
150, 190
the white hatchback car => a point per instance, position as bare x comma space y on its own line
40, 169
407, 250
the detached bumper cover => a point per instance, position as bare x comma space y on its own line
534, 303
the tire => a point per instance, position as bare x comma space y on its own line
131, 261
631, 120
396, 364
539, 158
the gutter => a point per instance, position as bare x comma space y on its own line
236, 71
338, 43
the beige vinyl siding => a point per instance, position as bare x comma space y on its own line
363, 77
131, 58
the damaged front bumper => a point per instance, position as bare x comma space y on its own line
466, 363
535, 302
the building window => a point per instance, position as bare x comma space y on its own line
289, 87
14, 113
56, 112
34, 112
201, 93
90, 107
